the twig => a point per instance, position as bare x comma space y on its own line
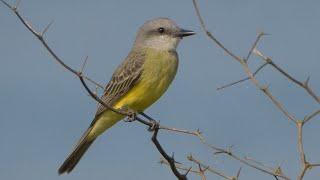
262, 164
266, 91
40, 36
79, 74
244, 63
304, 85
229, 153
214, 171
179, 166
170, 160
251, 76
209, 34
244, 79
312, 115
303, 160
254, 45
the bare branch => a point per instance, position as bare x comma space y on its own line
254, 45
304, 85
209, 34
251, 76
153, 125
170, 160
312, 115
244, 79
214, 171
229, 153
266, 91
238, 173
303, 160
202, 172
84, 64
46, 28
244, 65
179, 166
44, 43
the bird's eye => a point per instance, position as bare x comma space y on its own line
161, 30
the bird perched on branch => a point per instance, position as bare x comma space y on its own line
137, 83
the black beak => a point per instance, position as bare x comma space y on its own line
183, 33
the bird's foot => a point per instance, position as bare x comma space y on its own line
154, 125
132, 115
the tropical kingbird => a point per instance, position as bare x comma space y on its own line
138, 82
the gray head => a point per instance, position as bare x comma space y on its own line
161, 34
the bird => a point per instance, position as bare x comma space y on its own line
139, 81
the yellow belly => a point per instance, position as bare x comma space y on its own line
159, 70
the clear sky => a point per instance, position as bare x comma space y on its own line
44, 109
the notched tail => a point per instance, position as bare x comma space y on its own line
73, 159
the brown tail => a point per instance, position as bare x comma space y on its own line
73, 159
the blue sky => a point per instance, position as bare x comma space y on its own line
44, 109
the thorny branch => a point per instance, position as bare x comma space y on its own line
40, 36
152, 124
304, 85
305, 165
228, 151
179, 166
203, 168
156, 127
244, 79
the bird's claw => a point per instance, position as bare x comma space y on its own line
154, 125
132, 115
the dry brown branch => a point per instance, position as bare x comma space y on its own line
217, 150
203, 168
254, 45
304, 85
244, 79
266, 91
243, 62
202, 172
40, 36
210, 35
179, 166
276, 169
153, 125
311, 116
305, 165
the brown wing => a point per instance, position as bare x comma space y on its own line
123, 79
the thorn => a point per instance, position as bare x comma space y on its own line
264, 88
238, 173
306, 83
46, 28
198, 131
84, 64
264, 34
172, 156
15, 8
200, 169
185, 174
176, 162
